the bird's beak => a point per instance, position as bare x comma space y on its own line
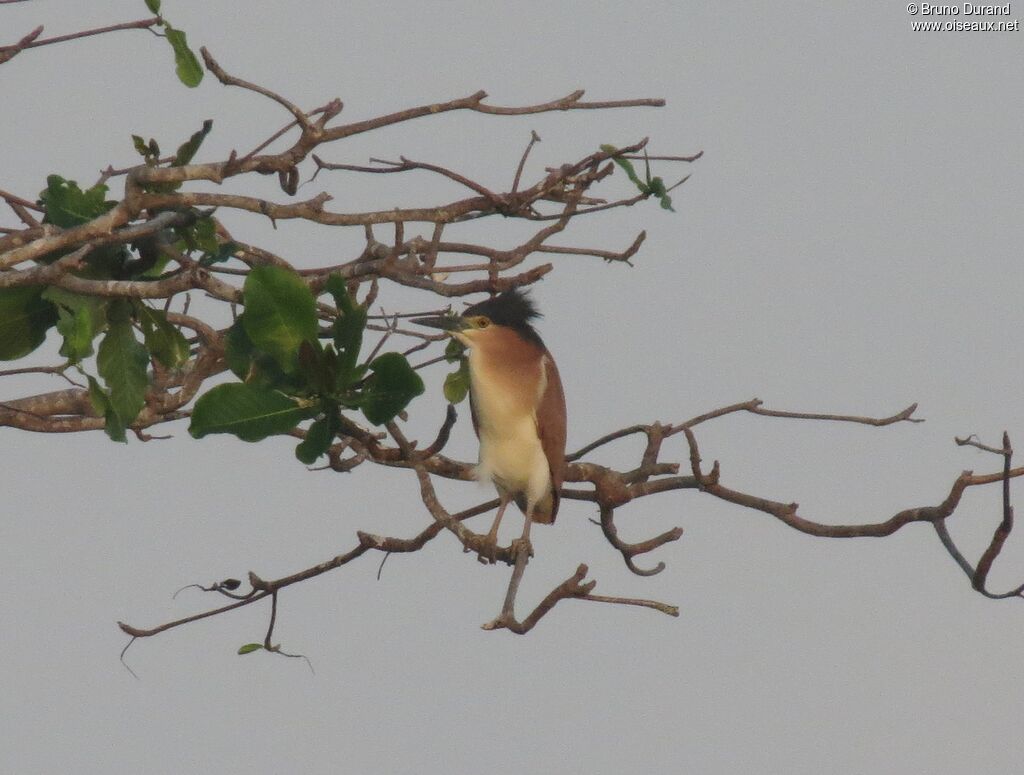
448, 323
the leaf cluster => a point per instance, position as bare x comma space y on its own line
288, 375
648, 186
27, 313
187, 66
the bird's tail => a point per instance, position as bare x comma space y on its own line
544, 510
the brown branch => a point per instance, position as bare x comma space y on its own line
31, 40
9, 52
407, 165
261, 588
972, 441
903, 416
229, 80
571, 102
947, 541
1005, 527
534, 139
572, 588
607, 255
21, 208
629, 551
60, 370
691, 158
474, 102
107, 229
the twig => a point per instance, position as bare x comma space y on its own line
1005, 527
229, 80
31, 39
534, 139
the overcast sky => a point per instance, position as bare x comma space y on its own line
850, 242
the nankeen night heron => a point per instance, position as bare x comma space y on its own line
517, 404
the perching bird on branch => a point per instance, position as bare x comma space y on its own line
517, 404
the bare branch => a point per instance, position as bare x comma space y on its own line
229, 80
31, 40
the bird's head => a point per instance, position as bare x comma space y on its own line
512, 309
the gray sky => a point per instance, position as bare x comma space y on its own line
850, 242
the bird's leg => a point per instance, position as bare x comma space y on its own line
523, 542
489, 543
522, 551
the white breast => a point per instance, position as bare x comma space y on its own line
511, 454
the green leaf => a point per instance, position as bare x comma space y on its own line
140, 145
456, 384
250, 365
100, 399
250, 412
238, 350
280, 313
666, 203
153, 6
454, 350
627, 166
76, 326
163, 340
248, 648
205, 235
80, 319
318, 369
25, 317
336, 286
199, 235
312, 369
390, 388
318, 439
348, 330
224, 251
188, 149
348, 338
188, 68
122, 362
67, 205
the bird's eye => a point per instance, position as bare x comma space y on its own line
482, 322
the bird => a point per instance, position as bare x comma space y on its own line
517, 404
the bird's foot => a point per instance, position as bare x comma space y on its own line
522, 545
486, 548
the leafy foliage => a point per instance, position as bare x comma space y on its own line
187, 150
67, 205
456, 384
288, 375
100, 398
390, 386
250, 412
189, 71
122, 361
165, 342
150, 153
650, 186
187, 66
80, 320
318, 439
280, 314
25, 317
